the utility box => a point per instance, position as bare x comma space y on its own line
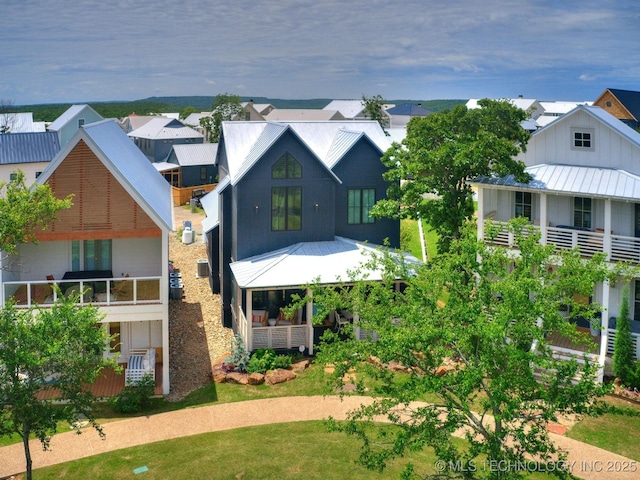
203, 268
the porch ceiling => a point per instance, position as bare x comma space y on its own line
576, 180
304, 263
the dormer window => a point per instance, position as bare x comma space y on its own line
582, 138
286, 167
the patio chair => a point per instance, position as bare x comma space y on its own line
294, 319
341, 320
259, 318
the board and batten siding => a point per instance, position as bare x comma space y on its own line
102, 208
553, 145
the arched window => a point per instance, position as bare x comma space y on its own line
286, 167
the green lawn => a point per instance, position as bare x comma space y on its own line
278, 451
410, 238
615, 432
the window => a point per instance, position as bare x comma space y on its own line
38, 174
582, 138
13, 176
523, 205
203, 173
582, 212
286, 167
80, 122
359, 206
90, 255
286, 208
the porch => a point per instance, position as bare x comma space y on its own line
109, 384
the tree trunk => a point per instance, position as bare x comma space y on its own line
27, 452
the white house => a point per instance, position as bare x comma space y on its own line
585, 192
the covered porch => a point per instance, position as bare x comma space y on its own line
265, 284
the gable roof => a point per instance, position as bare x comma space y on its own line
348, 108
68, 115
630, 99
303, 263
246, 142
159, 128
16, 148
127, 164
603, 116
195, 154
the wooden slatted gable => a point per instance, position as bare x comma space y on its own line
102, 208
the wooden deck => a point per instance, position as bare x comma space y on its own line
108, 384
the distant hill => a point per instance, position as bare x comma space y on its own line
151, 105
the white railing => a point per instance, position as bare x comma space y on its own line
289, 337
635, 342
622, 248
98, 291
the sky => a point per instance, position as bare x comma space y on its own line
57, 51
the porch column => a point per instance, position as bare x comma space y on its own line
607, 228
309, 323
480, 213
604, 325
543, 219
248, 327
164, 288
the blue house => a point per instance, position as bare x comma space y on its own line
157, 137
190, 165
292, 206
67, 124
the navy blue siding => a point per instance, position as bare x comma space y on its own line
358, 169
253, 229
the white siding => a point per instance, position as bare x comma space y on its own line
138, 257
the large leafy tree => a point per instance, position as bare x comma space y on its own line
57, 348
431, 169
475, 355
225, 107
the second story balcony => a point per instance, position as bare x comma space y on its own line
97, 291
593, 224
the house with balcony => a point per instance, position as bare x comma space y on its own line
584, 192
111, 247
292, 207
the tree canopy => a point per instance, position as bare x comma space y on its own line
471, 335
431, 169
225, 107
24, 211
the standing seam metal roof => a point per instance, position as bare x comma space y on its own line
129, 166
16, 148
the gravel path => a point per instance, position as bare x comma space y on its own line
196, 335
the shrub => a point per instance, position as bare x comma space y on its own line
239, 356
282, 361
136, 397
623, 358
265, 359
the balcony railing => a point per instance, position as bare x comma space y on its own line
101, 292
564, 238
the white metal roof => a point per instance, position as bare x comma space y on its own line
164, 128
246, 142
196, 154
574, 180
303, 263
209, 203
68, 115
21, 122
164, 166
301, 114
348, 108
127, 164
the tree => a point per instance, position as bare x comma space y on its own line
373, 109
45, 349
478, 351
7, 117
24, 210
623, 358
225, 107
441, 153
